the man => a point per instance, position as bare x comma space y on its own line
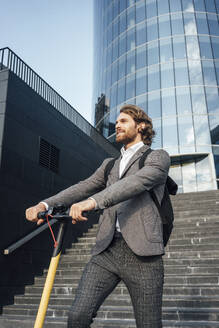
129, 243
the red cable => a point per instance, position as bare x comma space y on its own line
55, 242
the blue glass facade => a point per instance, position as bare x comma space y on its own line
163, 55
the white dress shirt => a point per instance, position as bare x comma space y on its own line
126, 156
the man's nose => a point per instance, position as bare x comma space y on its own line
117, 125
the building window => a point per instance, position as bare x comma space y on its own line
49, 156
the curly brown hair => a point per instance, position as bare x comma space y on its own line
139, 116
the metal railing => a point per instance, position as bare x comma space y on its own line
9, 60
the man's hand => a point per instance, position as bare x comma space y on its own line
31, 213
77, 209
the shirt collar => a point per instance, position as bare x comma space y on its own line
131, 149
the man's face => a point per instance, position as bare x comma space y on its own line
126, 129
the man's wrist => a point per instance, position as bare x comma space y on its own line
94, 202
45, 205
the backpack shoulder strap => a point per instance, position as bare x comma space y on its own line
108, 168
143, 157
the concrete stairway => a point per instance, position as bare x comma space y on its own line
191, 291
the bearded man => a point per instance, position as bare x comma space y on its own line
129, 244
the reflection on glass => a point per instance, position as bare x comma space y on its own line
188, 5
214, 127
177, 23
131, 62
204, 176
154, 108
109, 14
166, 50
215, 47
122, 65
157, 141
190, 24
115, 49
141, 81
205, 47
189, 177
130, 86
210, 7
109, 55
153, 53
115, 9
175, 5
109, 35
121, 91
141, 57
168, 102
122, 44
167, 76
162, 6
112, 118
170, 137
198, 100
181, 73
179, 47
131, 17
122, 22
186, 134
116, 28
152, 30
216, 160
202, 130
195, 72
140, 33
212, 99
217, 6
140, 12
151, 8
108, 78
164, 26
114, 72
131, 39
192, 47
213, 24
113, 96
141, 101
153, 78
202, 24
122, 5
183, 101
209, 72
199, 5
130, 2
217, 70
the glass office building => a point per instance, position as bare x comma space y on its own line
163, 55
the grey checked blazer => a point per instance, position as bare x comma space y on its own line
128, 199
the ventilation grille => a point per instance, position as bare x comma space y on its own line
49, 156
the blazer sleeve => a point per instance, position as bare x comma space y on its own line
81, 190
153, 173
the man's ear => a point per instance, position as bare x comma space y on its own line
141, 127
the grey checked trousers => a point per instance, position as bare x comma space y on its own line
143, 277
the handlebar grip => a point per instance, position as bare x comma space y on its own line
42, 215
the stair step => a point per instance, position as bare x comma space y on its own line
23, 321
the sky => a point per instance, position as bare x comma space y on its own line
55, 38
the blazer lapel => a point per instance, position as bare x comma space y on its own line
134, 158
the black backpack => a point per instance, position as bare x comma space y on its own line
165, 208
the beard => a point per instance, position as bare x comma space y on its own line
125, 137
